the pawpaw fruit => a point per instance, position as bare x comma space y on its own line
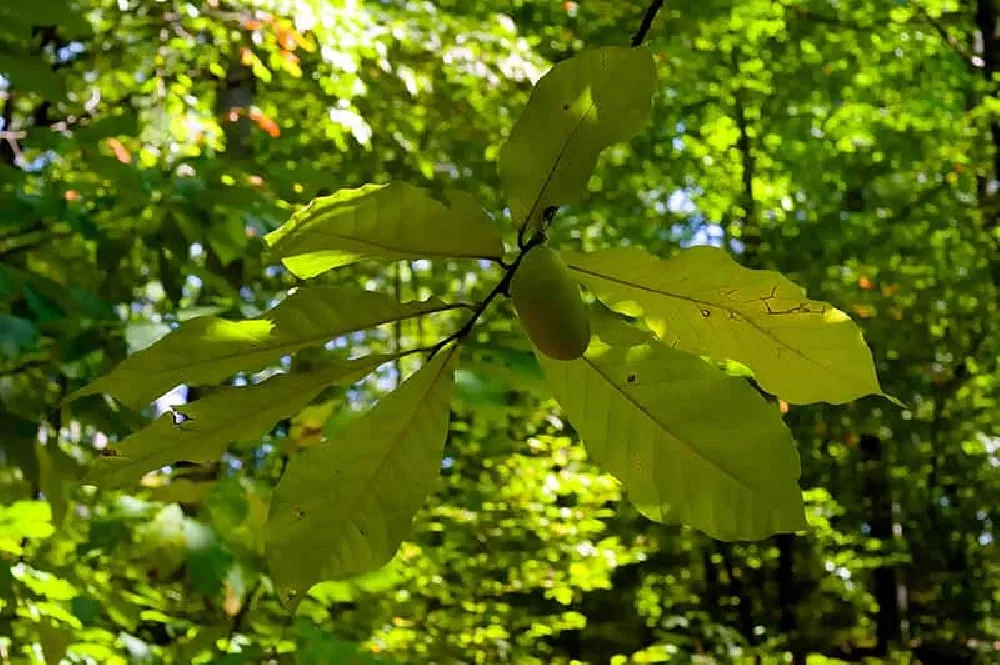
549, 305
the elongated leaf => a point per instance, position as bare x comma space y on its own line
581, 106
650, 415
209, 349
703, 302
344, 506
229, 414
394, 221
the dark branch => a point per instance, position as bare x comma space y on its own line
502, 288
647, 22
955, 45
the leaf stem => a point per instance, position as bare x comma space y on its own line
502, 288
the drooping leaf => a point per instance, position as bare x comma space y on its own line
209, 349
703, 302
649, 415
344, 506
580, 107
393, 221
210, 424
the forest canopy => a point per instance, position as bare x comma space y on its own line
531, 332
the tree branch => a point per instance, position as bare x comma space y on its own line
750, 233
8, 147
955, 45
647, 22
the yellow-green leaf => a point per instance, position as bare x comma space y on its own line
24, 521
394, 221
344, 506
703, 302
581, 106
649, 414
210, 424
209, 349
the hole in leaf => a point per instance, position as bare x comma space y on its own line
706, 313
631, 378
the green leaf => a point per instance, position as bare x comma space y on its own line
580, 107
649, 414
55, 641
344, 506
210, 424
394, 221
24, 520
57, 472
17, 335
208, 350
703, 302
34, 74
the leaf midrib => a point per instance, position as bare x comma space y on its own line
707, 303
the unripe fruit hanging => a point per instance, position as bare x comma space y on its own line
549, 305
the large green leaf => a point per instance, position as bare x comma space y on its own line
703, 302
209, 349
394, 221
344, 506
210, 424
581, 106
649, 414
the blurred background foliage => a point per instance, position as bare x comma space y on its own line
147, 145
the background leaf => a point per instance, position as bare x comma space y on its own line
344, 506
584, 104
394, 221
703, 302
649, 415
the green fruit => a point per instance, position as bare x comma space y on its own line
548, 302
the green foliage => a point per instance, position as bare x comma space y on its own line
166, 171
731, 487
343, 507
207, 350
735, 479
200, 431
394, 221
580, 107
701, 301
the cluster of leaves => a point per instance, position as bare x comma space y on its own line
643, 402
146, 149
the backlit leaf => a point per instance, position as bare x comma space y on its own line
207, 350
210, 424
344, 506
703, 302
581, 106
394, 221
649, 414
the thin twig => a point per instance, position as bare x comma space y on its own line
239, 619
502, 288
955, 45
647, 22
